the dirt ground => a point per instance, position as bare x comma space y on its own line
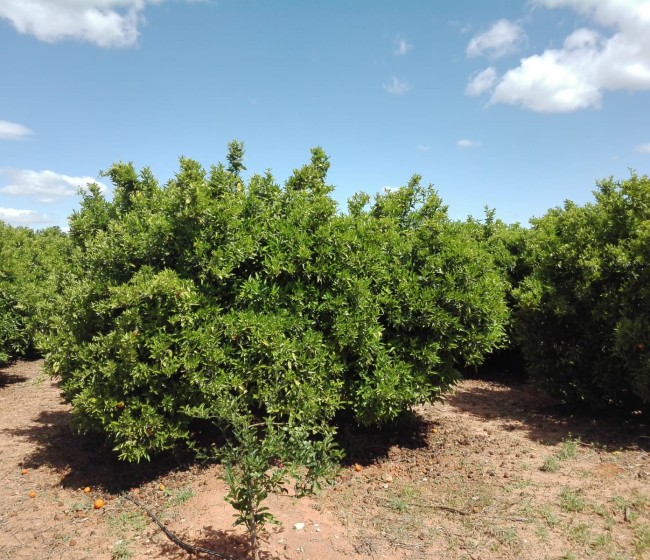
498, 471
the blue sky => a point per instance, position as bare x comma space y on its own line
517, 105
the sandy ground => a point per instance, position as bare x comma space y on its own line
497, 471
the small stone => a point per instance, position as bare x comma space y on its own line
387, 477
299, 526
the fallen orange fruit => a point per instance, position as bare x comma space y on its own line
32, 494
358, 467
24, 471
98, 503
87, 490
161, 487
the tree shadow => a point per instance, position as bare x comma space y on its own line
224, 542
506, 365
521, 407
86, 460
18, 371
367, 445
7, 379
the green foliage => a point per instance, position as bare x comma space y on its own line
263, 461
568, 451
572, 500
211, 290
32, 269
583, 314
508, 244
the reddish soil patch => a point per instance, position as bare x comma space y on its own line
494, 472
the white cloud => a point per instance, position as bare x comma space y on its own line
44, 186
589, 63
13, 131
482, 82
22, 217
402, 47
397, 86
643, 148
504, 37
106, 23
465, 143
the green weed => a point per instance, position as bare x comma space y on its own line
121, 551
602, 541
572, 500
642, 540
182, 495
580, 533
551, 464
541, 531
569, 449
125, 521
550, 517
398, 504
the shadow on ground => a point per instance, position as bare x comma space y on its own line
224, 543
86, 460
521, 407
369, 445
7, 379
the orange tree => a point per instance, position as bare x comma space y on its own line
583, 312
508, 244
32, 268
216, 298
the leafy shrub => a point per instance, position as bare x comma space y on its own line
12, 341
211, 299
583, 314
508, 245
32, 265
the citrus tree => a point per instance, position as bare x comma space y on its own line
32, 267
583, 313
508, 244
215, 300
211, 290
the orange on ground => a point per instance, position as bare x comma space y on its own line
24, 471
358, 467
87, 490
32, 494
98, 503
161, 487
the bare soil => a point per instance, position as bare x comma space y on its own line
497, 471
